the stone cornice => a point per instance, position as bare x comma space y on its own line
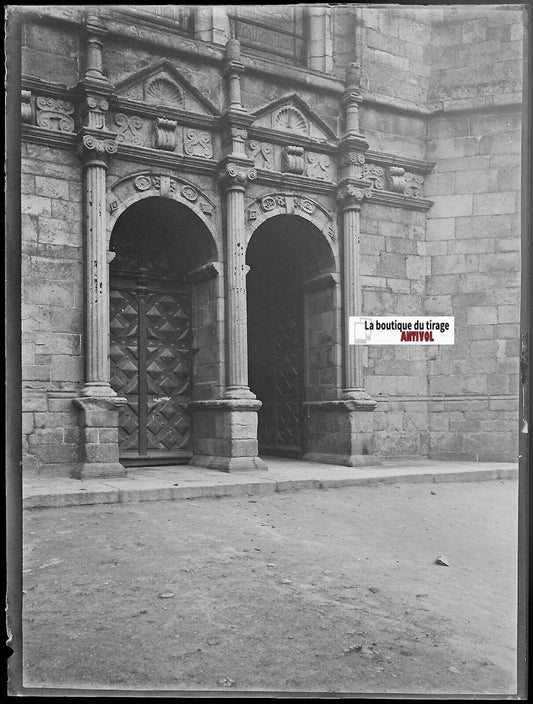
420, 166
264, 134
398, 200
156, 157
289, 181
151, 111
49, 138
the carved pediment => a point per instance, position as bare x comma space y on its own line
161, 84
291, 114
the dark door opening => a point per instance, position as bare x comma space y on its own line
150, 341
275, 341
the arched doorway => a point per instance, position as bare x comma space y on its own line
284, 254
156, 243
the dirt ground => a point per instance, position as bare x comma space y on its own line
309, 591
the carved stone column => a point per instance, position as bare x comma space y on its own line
99, 404
225, 430
350, 199
341, 431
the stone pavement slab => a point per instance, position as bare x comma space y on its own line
186, 482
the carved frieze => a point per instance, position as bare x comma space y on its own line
375, 174
198, 143
149, 183
166, 137
318, 166
55, 114
414, 185
273, 204
262, 154
396, 179
129, 129
292, 160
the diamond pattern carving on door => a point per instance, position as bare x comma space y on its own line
288, 373
168, 371
151, 365
124, 363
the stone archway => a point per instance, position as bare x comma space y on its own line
158, 339
293, 310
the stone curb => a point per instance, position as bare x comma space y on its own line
172, 493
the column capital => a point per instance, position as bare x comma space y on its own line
351, 196
96, 148
235, 175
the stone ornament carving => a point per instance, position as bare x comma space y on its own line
162, 185
290, 118
232, 175
261, 153
396, 179
55, 114
25, 106
292, 160
291, 204
129, 126
414, 185
318, 166
352, 197
95, 109
166, 137
198, 144
99, 146
374, 174
163, 91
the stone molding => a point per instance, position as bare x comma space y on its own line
280, 203
205, 272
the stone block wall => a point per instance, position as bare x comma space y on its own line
473, 233
394, 266
52, 308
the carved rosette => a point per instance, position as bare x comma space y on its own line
233, 176
292, 160
351, 197
165, 134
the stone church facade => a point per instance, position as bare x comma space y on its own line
208, 193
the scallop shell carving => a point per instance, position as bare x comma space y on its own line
289, 118
163, 92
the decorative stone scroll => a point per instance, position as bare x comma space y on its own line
375, 174
25, 106
92, 145
414, 185
292, 160
166, 137
198, 143
55, 114
235, 175
129, 127
261, 153
274, 204
318, 166
396, 179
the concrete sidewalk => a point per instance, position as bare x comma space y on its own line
185, 482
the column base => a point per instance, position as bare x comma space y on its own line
341, 431
99, 453
229, 464
99, 469
225, 434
